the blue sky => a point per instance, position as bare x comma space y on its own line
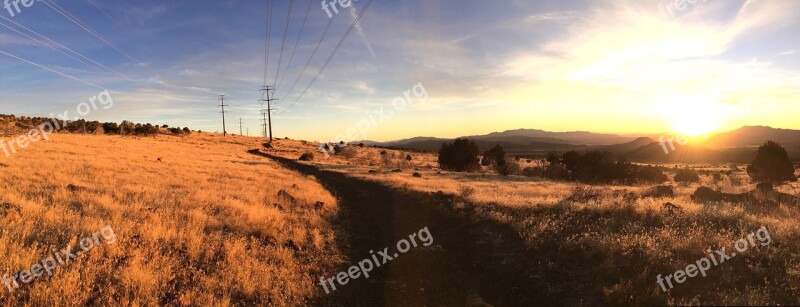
606, 66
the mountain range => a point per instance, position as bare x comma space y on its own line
738, 145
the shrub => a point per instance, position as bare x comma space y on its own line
460, 156
508, 167
771, 165
186, 130
307, 156
347, 152
494, 155
409, 158
111, 128
465, 192
687, 176
598, 167
649, 174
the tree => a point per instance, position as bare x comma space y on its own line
509, 166
687, 176
111, 128
771, 165
494, 155
460, 156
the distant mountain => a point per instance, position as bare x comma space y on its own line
751, 136
574, 137
733, 146
512, 145
521, 141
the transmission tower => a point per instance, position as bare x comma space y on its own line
240, 126
222, 104
266, 114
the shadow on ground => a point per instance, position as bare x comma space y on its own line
471, 262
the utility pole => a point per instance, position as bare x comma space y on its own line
266, 114
222, 100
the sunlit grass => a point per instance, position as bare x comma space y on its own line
194, 216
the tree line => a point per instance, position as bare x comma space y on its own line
771, 165
96, 127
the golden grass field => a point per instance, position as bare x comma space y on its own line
197, 220
611, 245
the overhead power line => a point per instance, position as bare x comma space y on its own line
316, 49
86, 27
283, 44
344, 37
66, 48
53, 70
266, 48
296, 42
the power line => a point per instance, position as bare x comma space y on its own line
46, 45
283, 44
319, 43
88, 29
68, 49
344, 37
53, 70
296, 42
266, 49
115, 21
104, 13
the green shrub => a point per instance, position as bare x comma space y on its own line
459, 156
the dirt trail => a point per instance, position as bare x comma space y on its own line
457, 270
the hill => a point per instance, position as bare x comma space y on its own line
736, 146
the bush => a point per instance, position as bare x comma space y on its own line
771, 165
508, 167
687, 176
649, 174
494, 155
459, 156
111, 128
598, 167
347, 152
307, 156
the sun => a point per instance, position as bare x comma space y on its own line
697, 117
695, 126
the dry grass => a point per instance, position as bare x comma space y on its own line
197, 219
610, 249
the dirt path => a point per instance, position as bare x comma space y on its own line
457, 270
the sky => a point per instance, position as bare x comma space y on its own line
410, 68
